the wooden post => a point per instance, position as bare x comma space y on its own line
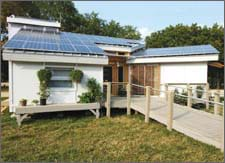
170, 110
189, 99
147, 104
216, 99
207, 95
108, 98
128, 98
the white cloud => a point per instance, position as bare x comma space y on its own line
145, 31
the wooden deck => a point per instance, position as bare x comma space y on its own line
202, 126
22, 112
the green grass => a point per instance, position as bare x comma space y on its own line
48, 137
3, 98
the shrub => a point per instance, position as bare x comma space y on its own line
94, 93
199, 90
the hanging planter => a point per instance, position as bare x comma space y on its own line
76, 76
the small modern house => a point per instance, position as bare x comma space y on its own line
36, 44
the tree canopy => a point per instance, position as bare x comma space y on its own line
182, 35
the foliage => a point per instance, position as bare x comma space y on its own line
35, 101
76, 75
122, 91
23, 100
182, 35
94, 93
180, 99
199, 90
79, 138
44, 77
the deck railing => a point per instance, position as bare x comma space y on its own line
169, 98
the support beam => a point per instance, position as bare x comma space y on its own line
216, 99
108, 99
128, 98
20, 118
170, 110
189, 100
147, 104
96, 113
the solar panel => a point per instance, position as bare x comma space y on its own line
82, 49
178, 51
15, 44
62, 42
66, 48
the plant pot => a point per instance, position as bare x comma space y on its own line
23, 103
43, 101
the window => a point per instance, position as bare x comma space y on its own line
60, 78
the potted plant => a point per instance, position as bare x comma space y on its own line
44, 77
199, 91
35, 102
76, 76
23, 102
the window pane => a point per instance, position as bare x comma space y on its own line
60, 72
60, 84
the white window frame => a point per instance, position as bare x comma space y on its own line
59, 89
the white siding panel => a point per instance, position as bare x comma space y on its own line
184, 73
25, 81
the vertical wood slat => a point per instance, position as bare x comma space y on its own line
189, 99
217, 99
125, 73
147, 104
170, 110
108, 99
128, 98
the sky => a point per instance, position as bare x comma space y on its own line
151, 16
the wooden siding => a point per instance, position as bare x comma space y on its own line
146, 75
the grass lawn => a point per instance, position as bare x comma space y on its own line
49, 137
3, 98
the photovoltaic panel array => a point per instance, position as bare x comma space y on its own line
177, 51
63, 42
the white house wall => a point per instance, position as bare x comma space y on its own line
26, 84
184, 73
179, 74
25, 81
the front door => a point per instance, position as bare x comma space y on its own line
107, 76
120, 74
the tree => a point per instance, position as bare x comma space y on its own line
93, 24
182, 35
